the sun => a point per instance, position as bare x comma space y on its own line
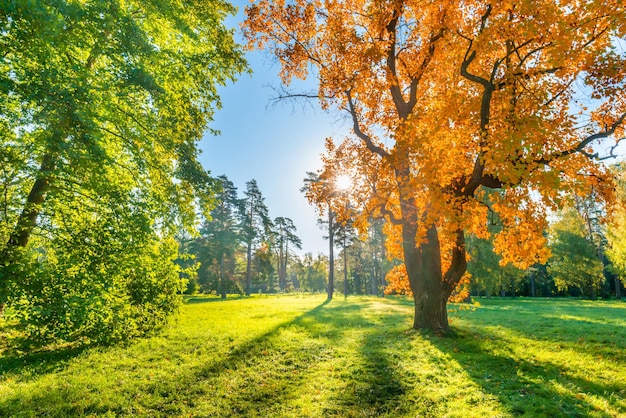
343, 182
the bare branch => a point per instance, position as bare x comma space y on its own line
526, 76
580, 147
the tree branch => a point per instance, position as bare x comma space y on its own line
369, 143
386, 212
580, 147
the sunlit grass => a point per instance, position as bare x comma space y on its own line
297, 356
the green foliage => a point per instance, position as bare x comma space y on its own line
296, 356
312, 273
616, 233
97, 285
574, 261
102, 104
489, 276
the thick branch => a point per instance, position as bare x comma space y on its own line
396, 92
369, 143
37, 195
390, 215
459, 263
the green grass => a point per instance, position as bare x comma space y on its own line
297, 356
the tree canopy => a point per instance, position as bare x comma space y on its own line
102, 104
449, 99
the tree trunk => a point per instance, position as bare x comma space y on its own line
285, 260
249, 268
331, 255
618, 288
221, 274
28, 218
423, 266
345, 266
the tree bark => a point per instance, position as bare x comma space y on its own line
249, 268
423, 265
331, 255
36, 197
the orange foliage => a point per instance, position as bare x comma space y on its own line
451, 99
397, 281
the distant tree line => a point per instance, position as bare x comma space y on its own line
240, 249
586, 240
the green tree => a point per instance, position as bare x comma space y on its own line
489, 276
616, 231
257, 225
102, 104
285, 231
264, 269
311, 272
220, 236
574, 261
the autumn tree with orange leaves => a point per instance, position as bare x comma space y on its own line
459, 109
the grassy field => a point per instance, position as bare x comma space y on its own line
298, 356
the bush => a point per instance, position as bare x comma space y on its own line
101, 285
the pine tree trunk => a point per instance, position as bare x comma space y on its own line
221, 275
249, 268
331, 256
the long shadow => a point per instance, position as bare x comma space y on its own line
524, 386
528, 386
373, 384
181, 390
40, 362
193, 300
566, 323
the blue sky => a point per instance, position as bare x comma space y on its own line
274, 143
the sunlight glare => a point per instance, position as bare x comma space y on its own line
343, 182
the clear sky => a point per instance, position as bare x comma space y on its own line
274, 143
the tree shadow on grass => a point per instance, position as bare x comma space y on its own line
39, 362
523, 386
372, 384
193, 300
178, 393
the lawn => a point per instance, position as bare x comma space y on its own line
298, 356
